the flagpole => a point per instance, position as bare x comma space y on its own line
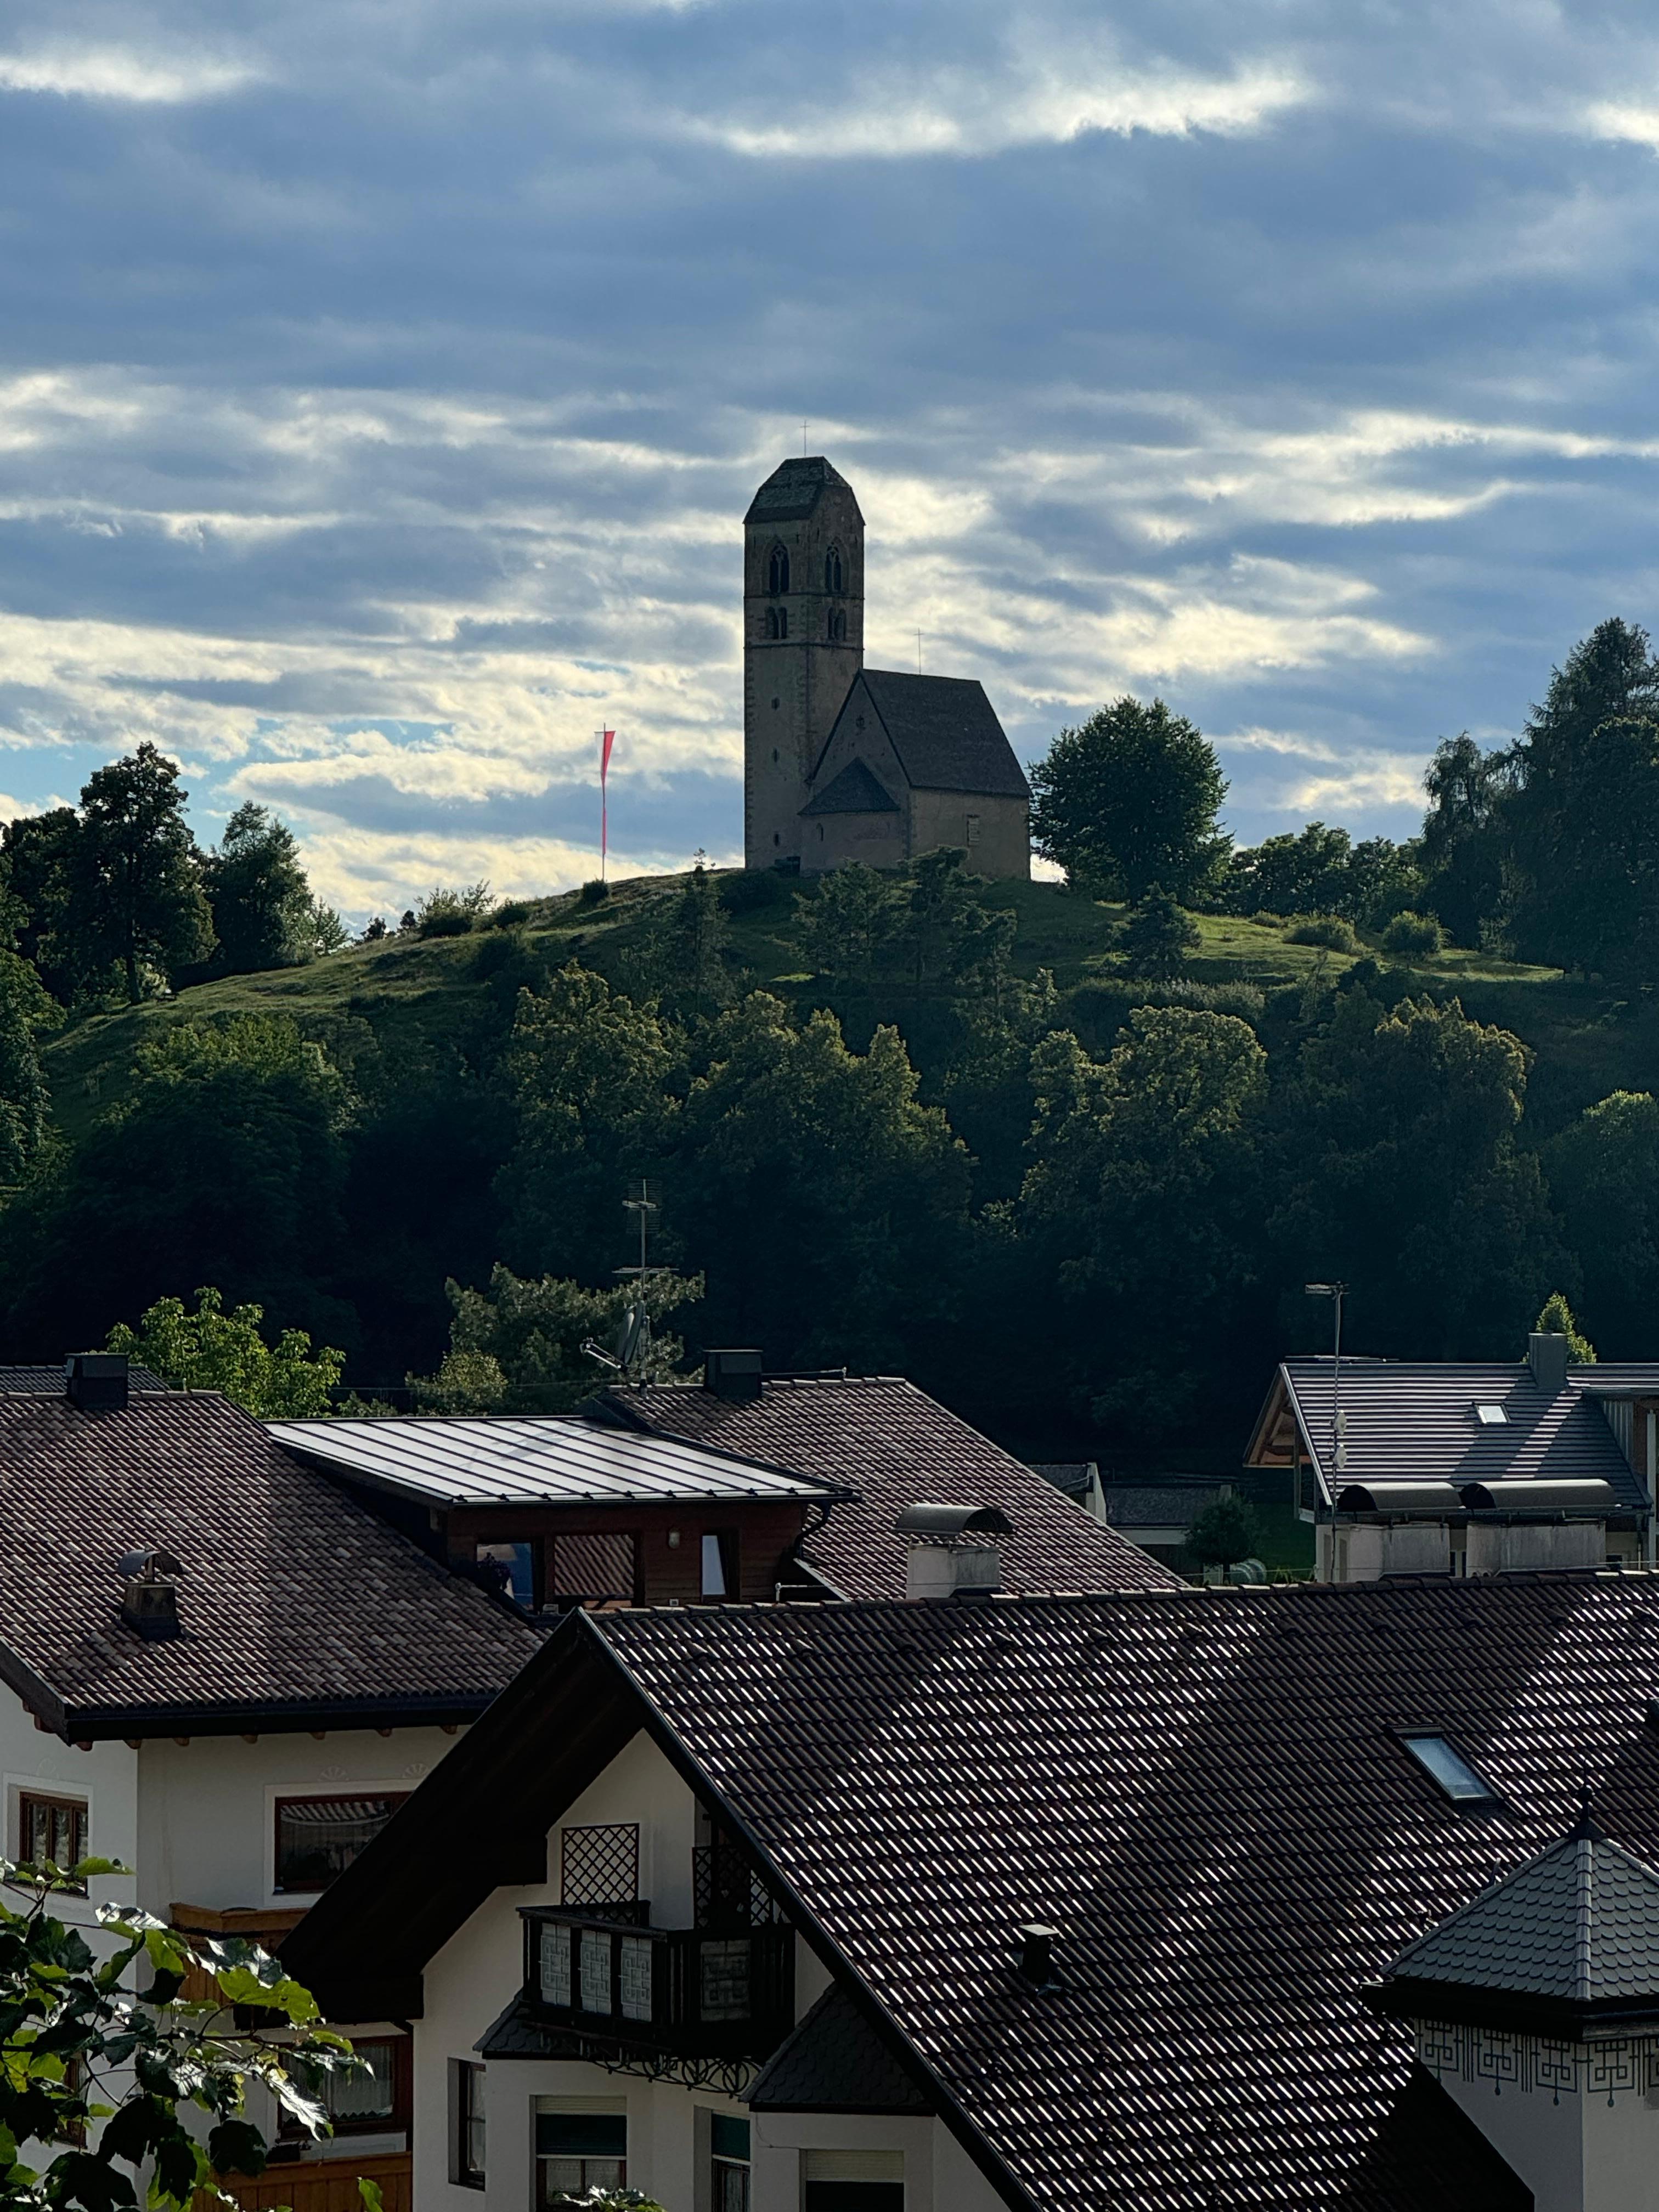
607, 738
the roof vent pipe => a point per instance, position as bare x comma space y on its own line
735, 1376
1037, 1955
96, 1382
1547, 1356
149, 1592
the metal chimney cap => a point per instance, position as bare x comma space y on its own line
147, 1566
934, 1520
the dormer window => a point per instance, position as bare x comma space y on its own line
777, 571
832, 570
1490, 1416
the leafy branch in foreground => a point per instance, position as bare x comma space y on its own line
97, 2074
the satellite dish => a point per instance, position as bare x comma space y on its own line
634, 1334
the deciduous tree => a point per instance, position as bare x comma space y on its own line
213, 1350
1129, 799
136, 902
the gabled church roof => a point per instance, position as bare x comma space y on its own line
856, 790
1577, 1925
942, 728
794, 488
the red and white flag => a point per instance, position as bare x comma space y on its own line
607, 738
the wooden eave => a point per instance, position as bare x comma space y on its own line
1277, 1439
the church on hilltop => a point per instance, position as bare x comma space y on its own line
846, 762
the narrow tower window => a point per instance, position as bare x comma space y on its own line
832, 570
777, 625
777, 572
838, 625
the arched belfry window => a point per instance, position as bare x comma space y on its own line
777, 571
832, 570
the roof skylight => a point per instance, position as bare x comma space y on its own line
1449, 1770
1490, 1416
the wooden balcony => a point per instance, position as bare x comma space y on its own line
324, 2184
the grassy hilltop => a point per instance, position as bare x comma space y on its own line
427, 993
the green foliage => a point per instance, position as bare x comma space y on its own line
928, 931
1462, 843
589, 1072
696, 944
1332, 931
512, 913
25, 1102
1157, 935
618, 2200
263, 915
847, 925
1130, 800
754, 890
1225, 1532
1604, 1177
594, 891
136, 902
518, 1344
1413, 936
1316, 870
1556, 1320
37, 853
213, 1350
100, 2076
452, 913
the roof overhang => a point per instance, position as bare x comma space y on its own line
1280, 1435
1407, 1996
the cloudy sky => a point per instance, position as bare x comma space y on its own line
382, 383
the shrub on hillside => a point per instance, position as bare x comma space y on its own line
1332, 930
452, 913
512, 913
752, 890
1413, 936
593, 891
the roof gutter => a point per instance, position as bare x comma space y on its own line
990, 2161
277, 1717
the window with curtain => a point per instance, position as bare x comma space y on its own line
728, 2163
582, 2143
53, 1828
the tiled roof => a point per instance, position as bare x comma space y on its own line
1201, 1793
48, 1381
535, 1459
835, 2061
892, 1444
1579, 1923
856, 790
294, 1595
942, 728
1415, 1421
794, 488
1157, 1504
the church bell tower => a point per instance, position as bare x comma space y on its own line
803, 642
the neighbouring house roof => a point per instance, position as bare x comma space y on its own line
49, 1381
1073, 1476
794, 488
1577, 1926
895, 1447
856, 790
548, 1459
942, 728
1415, 1421
296, 1603
1202, 1792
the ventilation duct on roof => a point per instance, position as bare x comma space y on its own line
950, 1555
1037, 1955
96, 1382
733, 1374
149, 1592
1547, 1356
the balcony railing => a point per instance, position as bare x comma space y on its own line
726, 1893
683, 1990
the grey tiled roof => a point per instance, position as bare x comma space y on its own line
856, 790
942, 728
1153, 1505
897, 1447
1200, 1792
48, 1381
1414, 1421
1579, 1923
295, 1598
794, 489
835, 2061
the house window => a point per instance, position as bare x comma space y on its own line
598, 1569
466, 2124
510, 1569
832, 569
1448, 1770
582, 2143
728, 2163
777, 572
318, 1838
600, 1865
720, 1562
53, 1828
853, 2181
973, 829
357, 2102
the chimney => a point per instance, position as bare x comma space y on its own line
1037, 1955
944, 1561
96, 1382
149, 1592
732, 1374
1547, 1356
